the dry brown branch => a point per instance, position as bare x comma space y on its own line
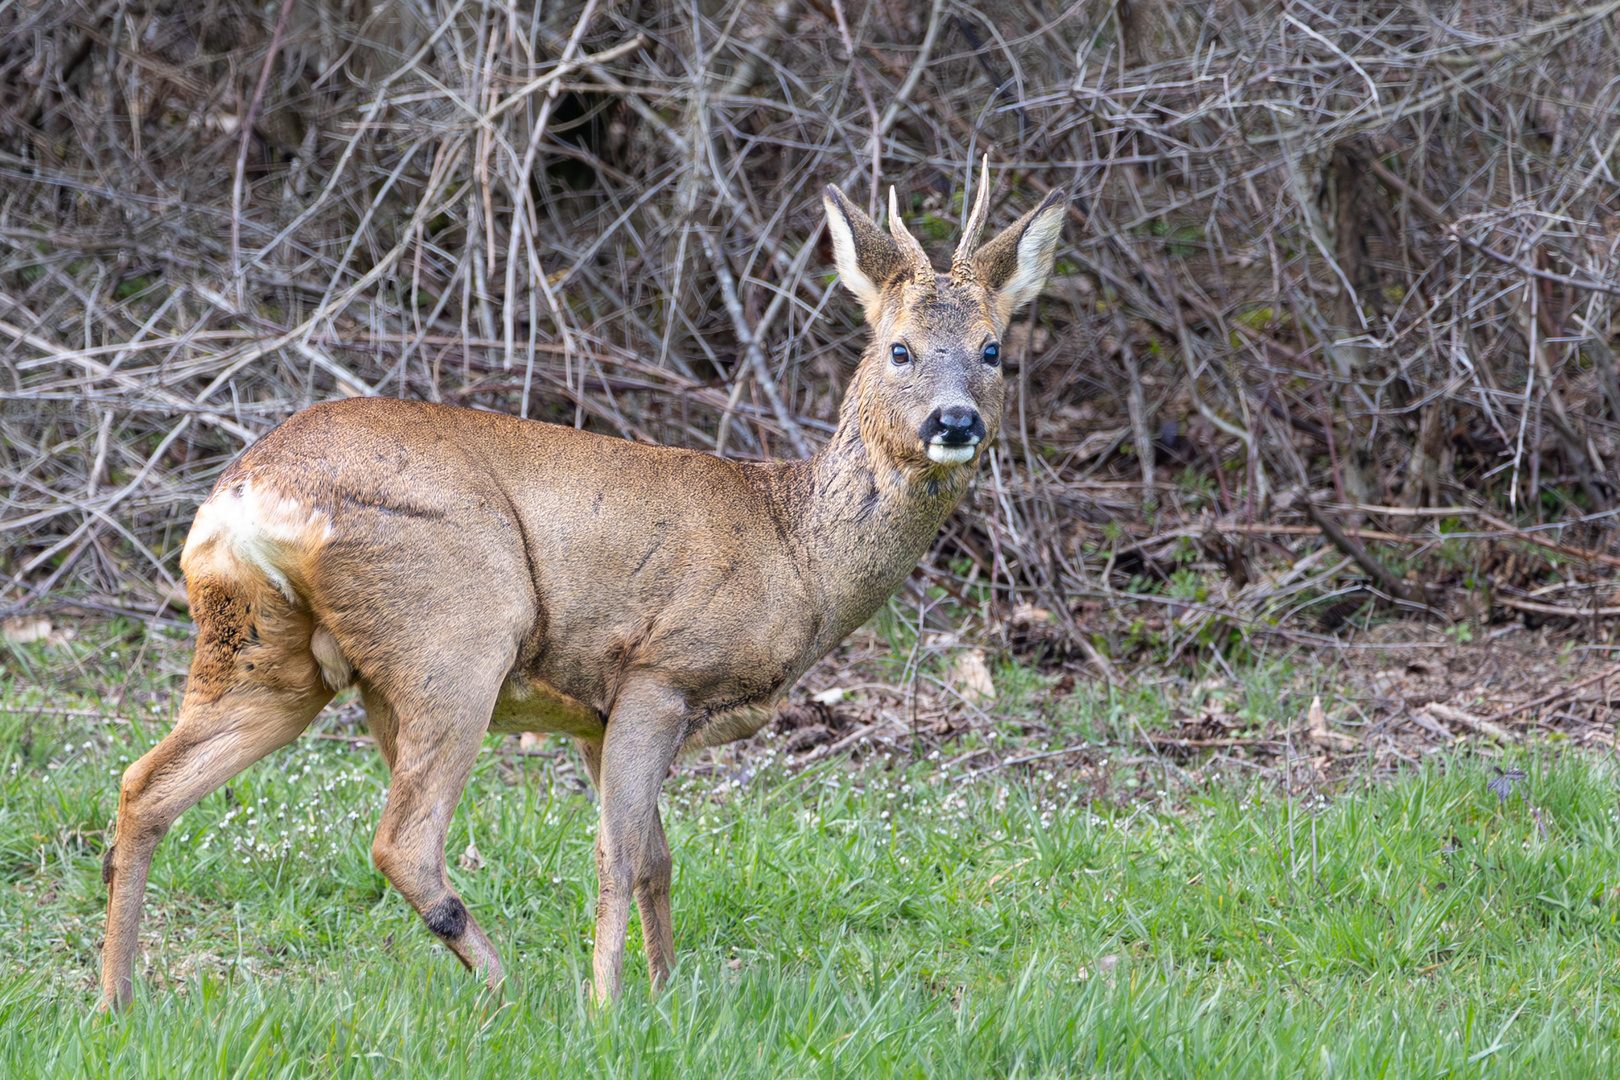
1381, 573
1361, 248
1556, 695
250, 118
1454, 715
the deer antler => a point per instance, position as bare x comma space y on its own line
922, 270
962, 261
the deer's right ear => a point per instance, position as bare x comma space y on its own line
868, 259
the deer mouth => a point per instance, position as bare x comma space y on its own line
951, 453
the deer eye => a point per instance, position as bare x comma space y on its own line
898, 353
992, 354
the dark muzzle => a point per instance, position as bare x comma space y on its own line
951, 434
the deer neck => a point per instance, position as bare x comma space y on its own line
863, 518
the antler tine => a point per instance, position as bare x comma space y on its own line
922, 269
962, 261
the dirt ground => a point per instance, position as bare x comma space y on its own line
1375, 702
1386, 699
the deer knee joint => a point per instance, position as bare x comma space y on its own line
383, 856
655, 870
447, 918
615, 874
133, 784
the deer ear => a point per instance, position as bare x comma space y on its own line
868, 259
1015, 264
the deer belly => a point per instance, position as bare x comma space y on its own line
530, 704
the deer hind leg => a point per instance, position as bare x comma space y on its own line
253, 688
382, 722
652, 900
432, 743
632, 854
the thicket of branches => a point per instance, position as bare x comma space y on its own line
1341, 270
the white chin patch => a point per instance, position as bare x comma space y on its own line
950, 455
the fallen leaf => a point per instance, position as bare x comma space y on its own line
1316, 724
1031, 615
992, 882
970, 677
530, 740
1454, 715
1106, 966
24, 629
829, 697
470, 860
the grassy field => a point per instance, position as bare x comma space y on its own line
886, 919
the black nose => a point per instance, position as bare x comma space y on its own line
954, 425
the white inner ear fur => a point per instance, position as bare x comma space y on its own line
1035, 251
849, 271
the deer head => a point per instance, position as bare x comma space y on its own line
929, 389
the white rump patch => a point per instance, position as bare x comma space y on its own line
258, 527
951, 455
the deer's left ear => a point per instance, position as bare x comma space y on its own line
1015, 264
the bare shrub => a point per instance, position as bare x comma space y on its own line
1351, 263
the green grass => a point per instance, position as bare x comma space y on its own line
871, 921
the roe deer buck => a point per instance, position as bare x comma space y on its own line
472, 572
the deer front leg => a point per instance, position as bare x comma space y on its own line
632, 855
